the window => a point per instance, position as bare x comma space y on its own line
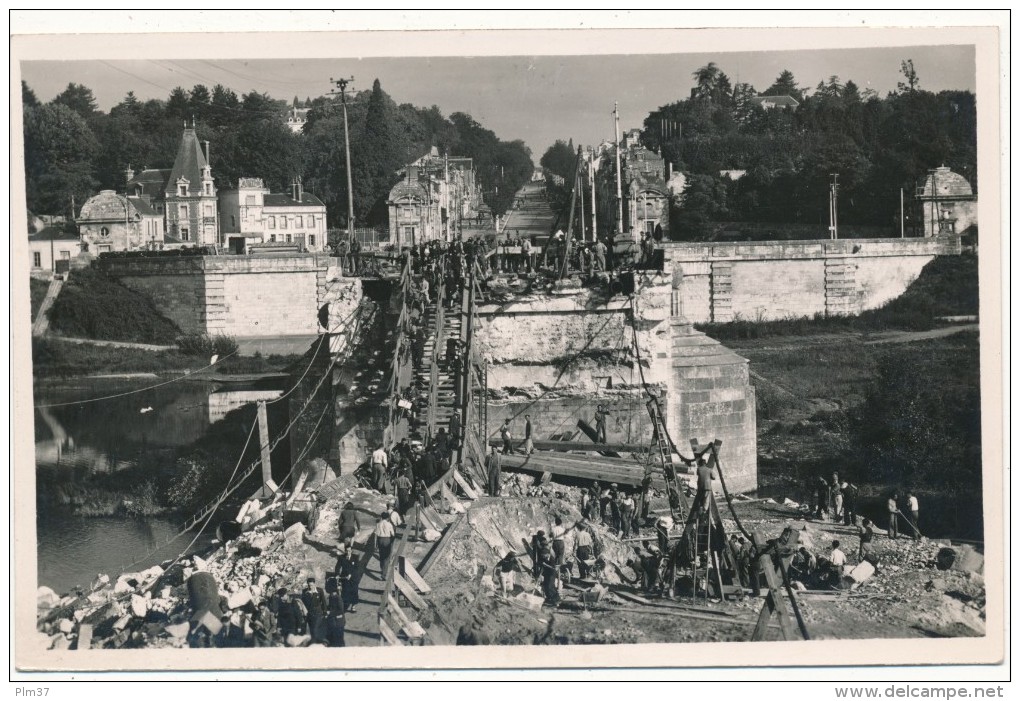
299, 223
272, 238
272, 222
289, 239
182, 190
311, 221
104, 231
208, 188
249, 200
182, 211
65, 255
311, 240
209, 211
37, 259
283, 222
185, 234
233, 222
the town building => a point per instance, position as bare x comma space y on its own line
190, 194
435, 195
296, 118
646, 184
112, 222
51, 249
948, 203
251, 215
769, 102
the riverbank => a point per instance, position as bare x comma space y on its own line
57, 358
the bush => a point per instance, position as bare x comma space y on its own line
201, 344
94, 305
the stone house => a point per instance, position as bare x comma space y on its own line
112, 222
51, 247
251, 214
948, 203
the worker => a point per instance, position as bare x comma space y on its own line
529, 444
836, 497
837, 558
705, 477
455, 431
600, 423
850, 492
614, 507
822, 497
349, 524
600, 256
380, 463
559, 546
504, 433
803, 566
336, 622
505, 569
894, 512
538, 541
626, 514
263, 626
403, 486
866, 535
384, 533
662, 527
549, 572
494, 471
584, 550
914, 510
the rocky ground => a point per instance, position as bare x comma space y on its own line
908, 597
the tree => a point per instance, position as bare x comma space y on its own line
77, 98
59, 150
559, 159
910, 75
28, 97
705, 81
785, 84
178, 107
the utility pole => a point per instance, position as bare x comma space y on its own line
903, 233
579, 184
591, 173
619, 182
342, 84
834, 206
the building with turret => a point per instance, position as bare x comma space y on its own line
948, 203
190, 194
112, 222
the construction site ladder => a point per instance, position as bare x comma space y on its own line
661, 444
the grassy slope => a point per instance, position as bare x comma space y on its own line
37, 292
92, 305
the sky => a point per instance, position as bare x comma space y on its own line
534, 98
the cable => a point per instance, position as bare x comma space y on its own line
137, 391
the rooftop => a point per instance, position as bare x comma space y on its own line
53, 233
281, 200
189, 164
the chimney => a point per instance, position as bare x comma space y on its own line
300, 189
129, 174
207, 161
412, 174
295, 191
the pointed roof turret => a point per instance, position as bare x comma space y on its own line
189, 164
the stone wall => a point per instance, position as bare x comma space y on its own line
243, 296
628, 420
782, 279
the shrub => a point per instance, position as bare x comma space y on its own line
201, 344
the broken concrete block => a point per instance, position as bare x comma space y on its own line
139, 606
177, 630
101, 581
46, 598
862, 572
79, 615
59, 642
121, 623
199, 564
66, 626
530, 601
295, 534
431, 535
456, 507
298, 640
122, 587
263, 580
239, 598
153, 572
791, 503
84, 637
207, 620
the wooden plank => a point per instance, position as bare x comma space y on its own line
267, 490
411, 628
631, 597
584, 446
440, 547
592, 471
414, 578
471, 493
84, 637
388, 635
409, 593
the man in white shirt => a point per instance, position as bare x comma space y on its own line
384, 533
913, 508
838, 558
380, 463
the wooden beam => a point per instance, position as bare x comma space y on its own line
387, 633
591, 468
471, 493
408, 591
582, 446
412, 628
440, 547
414, 578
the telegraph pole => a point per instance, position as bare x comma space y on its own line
619, 185
834, 206
591, 173
342, 84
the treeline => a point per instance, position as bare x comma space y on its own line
72, 149
876, 144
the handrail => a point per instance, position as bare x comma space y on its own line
393, 390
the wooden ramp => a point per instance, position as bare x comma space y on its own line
592, 467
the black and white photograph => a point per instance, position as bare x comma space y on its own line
661, 346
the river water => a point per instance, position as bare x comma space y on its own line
78, 443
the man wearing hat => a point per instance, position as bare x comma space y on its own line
505, 569
538, 541
583, 549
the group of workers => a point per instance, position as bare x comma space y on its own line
837, 499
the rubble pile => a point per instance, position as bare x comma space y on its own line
155, 608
